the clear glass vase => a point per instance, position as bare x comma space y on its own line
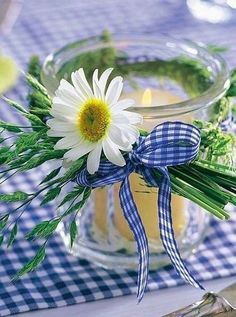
213, 11
162, 76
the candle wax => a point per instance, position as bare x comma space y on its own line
145, 197
152, 97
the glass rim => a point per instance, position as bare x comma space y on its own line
198, 50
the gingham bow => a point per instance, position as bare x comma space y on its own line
169, 144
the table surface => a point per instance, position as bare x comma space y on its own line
161, 302
157, 303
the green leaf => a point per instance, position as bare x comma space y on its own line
35, 120
43, 229
71, 195
73, 232
74, 169
217, 49
51, 194
39, 101
14, 161
34, 162
51, 227
87, 192
39, 160
232, 89
77, 206
23, 159
51, 175
15, 105
7, 157
39, 111
32, 264
27, 140
12, 235
37, 230
14, 197
34, 67
2, 140
3, 221
4, 149
1, 239
34, 83
3, 158
11, 127
71, 172
234, 110
73, 208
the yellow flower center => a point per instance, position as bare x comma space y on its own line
93, 119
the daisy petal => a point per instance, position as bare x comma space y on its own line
65, 85
122, 104
103, 80
114, 90
64, 126
94, 159
68, 98
112, 152
119, 118
119, 133
55, 134
127, 117
68, 142
62, 115
63, 103
96, 88
68, 94
116, 135
130, 132
62, 134
64, 109
81, 84
134, 118
79, 151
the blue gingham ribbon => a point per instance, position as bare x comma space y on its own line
169, 144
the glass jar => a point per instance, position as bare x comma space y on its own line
214, 11
169, 80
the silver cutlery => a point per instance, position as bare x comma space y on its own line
222, 304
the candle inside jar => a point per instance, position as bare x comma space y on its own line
152, 97
145, 197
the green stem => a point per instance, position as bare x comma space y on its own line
216, 168
199, 198
220, 197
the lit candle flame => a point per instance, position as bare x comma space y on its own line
147, 97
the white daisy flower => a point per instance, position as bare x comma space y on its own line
91, 120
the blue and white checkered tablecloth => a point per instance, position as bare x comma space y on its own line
43, 27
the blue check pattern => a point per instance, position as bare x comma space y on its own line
43, 27
169, 144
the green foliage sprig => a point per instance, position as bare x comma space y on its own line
215, 144
32, 147
209, 181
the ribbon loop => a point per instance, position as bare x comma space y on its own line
169, 144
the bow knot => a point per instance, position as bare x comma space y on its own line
133, 157
169, 144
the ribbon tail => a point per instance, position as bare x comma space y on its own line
167, 232
135, 223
